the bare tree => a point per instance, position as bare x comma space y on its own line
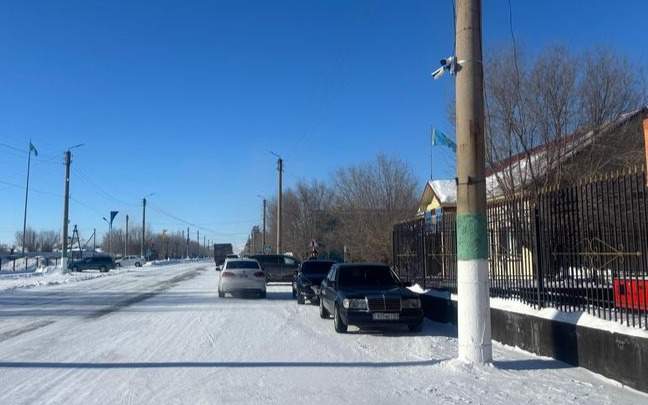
47, 240
537, 112
370, 198
356, 211
610, 86
30, 240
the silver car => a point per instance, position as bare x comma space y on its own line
129, 261
242, 277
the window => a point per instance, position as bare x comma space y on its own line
315, 267
367, 276
289, 262
242, 264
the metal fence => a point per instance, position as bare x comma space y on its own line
577, 248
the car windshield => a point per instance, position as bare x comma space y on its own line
242, 264
367, 277
316, 268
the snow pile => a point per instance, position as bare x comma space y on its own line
54, 275
579, 318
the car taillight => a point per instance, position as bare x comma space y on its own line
259, 274
227, 274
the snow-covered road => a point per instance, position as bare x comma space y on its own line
162, 336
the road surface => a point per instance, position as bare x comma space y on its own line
161, 335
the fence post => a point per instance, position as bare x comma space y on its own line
425, 264
538, 255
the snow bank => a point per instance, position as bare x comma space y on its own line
579, 318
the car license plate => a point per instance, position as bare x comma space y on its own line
382, 316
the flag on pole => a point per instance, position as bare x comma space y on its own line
441, 139
32, 148
113, 214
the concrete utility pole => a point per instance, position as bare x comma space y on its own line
279, 204
126, 239
198, 241
66, 210
143, 247
474, 326
187, 242
94, 240
264, 224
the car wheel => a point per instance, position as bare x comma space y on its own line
324, 314
300, 299
294, 293
221, 294
338, 323
104, 269
416, 327
262, 294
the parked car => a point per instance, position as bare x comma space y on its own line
129, 261
278, 267
308, 279
101, 263
242, 277
368, 296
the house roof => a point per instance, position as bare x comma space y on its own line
445, 191
518, 164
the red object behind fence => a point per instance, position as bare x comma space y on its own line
631, 294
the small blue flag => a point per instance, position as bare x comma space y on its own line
32, 148
441, 139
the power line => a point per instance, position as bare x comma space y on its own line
102, 192
87, 206
185, 222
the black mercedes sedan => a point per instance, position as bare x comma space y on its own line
308, 279
368, 296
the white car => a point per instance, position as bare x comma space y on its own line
242, 276
129, 261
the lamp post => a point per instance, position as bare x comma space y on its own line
109, 233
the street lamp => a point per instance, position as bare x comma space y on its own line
108, 222
113, 214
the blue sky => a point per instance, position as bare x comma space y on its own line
186, 98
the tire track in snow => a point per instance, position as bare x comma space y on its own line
157, 289
25, 329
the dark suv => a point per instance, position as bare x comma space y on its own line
368, 296
278, 267
101, 263
308, 279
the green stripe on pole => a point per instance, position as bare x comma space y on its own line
472, 237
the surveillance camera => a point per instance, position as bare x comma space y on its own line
438, 73
447, 64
